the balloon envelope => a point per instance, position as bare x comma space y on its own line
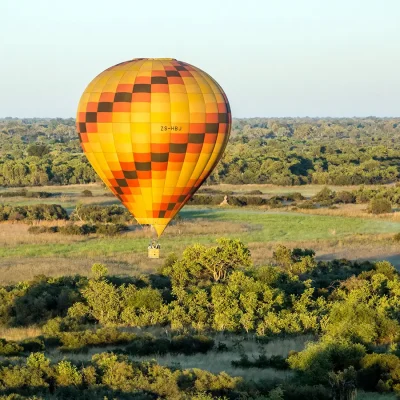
153, 130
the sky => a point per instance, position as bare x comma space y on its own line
273, 58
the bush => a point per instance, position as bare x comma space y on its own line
237, 201
79, 341
37, 212
33, 345
101, 214
18, 193
317, 360
262, 361
380, 206
53, 326
256, 201
324, 194
37, 229
379, 371
39, 195
10, 348
222, 347
42, 229
110, 376
147, 345
138, 345
110, 229
326, 203
183, 344
242, 201
207, 199
307, 205
186, 344
67, 374
72, 229
209, 190
25, 193
345, 197
295, 196
396, 237
85, 229
42, 299
86, 193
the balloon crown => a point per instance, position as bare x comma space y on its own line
166, 59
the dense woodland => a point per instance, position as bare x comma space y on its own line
286, 151
350, 309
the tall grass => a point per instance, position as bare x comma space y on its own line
18, 334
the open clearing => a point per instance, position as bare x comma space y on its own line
23, 255
337, 234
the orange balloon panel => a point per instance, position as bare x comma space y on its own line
153, 130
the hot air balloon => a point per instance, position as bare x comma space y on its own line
153, 129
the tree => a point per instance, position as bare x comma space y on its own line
38, 150
296, 261
362, 311
318, 360
104, 301
209, 263
227, 256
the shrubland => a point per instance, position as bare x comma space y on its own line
350, 310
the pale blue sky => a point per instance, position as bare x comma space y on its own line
273, 58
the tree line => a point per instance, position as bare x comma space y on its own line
285, 151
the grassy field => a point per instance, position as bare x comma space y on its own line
23, 255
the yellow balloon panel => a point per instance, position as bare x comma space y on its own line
153, 130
